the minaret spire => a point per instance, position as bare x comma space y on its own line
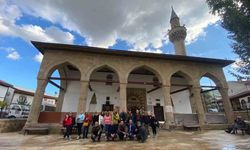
177, 34
173, 14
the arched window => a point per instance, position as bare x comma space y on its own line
109, 79
243, 104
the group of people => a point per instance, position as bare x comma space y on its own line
114, 125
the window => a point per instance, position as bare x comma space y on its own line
107, 100
243, 104
109, 79
16, 107
155, 81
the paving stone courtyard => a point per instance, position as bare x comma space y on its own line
183, 140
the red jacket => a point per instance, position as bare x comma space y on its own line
67, 121
87, 119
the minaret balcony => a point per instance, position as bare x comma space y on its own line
177, 33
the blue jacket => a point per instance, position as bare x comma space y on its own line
80, 118
131, 129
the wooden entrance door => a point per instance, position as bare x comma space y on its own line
136, 99
159, 113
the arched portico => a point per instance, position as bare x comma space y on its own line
65, 75
178, 98
153, 69
222, 90
144, 90
104, 88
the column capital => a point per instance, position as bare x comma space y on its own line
123, 83
84, 81
166, 85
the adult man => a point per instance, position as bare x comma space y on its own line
141, 132
238, 124
123, 116
121, 130
96, 132
131, 130
79, 121
95, 118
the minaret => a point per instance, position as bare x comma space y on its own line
177, 34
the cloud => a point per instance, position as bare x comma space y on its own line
38, 57
14, 55
10, 13
11, 53
141, 23
159, 51
51, 34
7, 49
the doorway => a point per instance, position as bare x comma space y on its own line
136, 99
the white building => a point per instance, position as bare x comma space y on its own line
12, 94
236, 87
6, 92
239, 92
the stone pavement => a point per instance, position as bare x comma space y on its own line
183, 140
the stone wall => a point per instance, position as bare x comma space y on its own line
244, 114
11, 125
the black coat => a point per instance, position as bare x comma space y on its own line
154, 122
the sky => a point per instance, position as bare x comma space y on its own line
137, 25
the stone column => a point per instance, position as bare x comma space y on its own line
123, 97
37, 101
60, 100
199, 106
192, 101
83, 96
227, 105
168, 109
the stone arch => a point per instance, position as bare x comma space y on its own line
97, 67
61, 67
48, 72
150, 68
220, 92
180, 90
216, 79
186, 75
